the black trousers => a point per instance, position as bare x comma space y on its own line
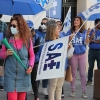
62, 90
92, 56
35, 84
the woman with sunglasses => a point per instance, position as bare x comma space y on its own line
17, 80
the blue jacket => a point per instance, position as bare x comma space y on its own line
36, 42
42, 40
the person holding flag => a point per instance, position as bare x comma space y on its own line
66, 27
55, 85
62, 34
79, 39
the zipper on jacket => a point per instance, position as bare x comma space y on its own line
16, 73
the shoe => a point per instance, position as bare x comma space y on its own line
72, 94
62, 96
45, 91
1, 88
88, 83
46, 97
36, 99
84, 95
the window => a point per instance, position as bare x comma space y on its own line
65, 7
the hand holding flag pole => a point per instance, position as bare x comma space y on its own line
79, 30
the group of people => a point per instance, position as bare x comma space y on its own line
27, 43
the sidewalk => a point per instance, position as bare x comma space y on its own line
66, 92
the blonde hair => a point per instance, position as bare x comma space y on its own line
51, 26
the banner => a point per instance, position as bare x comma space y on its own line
67, 22
56, 10
53, 59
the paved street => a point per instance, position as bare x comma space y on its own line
66, 92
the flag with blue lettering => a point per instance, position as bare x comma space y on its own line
67, 22
55, 11
94, 1
91, 13
46, 4
52, 61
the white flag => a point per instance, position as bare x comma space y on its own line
46, 4
67, 22
94, 1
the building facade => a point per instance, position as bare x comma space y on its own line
77, 6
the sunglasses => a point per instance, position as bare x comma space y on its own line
42, 23
12, 25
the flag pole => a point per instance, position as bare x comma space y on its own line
49, 12
96, 25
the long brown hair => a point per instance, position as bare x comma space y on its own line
22, 27
51, 26
81, 22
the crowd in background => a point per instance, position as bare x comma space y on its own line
28, 42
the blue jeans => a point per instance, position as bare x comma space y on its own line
44, 83
92, 56
1, 80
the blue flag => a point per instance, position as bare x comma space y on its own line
55, 11
91, 13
